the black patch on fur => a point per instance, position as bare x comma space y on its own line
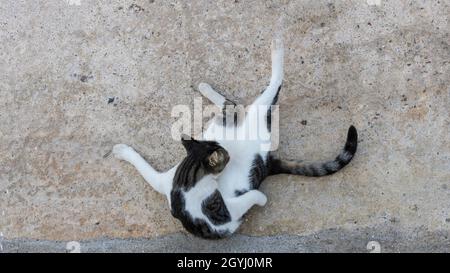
197, 227
269, 112
193, 168
330, 170
215, 209
315, 171
273, 164
240, 192
352, 140
229, 112
277, 165
188, 173
258, 172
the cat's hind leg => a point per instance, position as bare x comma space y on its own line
269, 96
230, 114
238, 206
214, 96
161, 182
260, 111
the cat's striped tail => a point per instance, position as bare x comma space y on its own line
278, 165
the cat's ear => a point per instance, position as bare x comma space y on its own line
187, 141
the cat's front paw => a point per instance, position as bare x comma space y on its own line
122, 151
262, 199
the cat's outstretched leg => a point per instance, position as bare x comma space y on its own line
260, 111
211, 94
271, 92
161, 182
238, 206
229, 114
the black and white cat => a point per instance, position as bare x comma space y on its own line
212, 188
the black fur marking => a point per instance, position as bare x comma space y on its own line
258, 172
239, 192
352, 140
229, 110
188, 173
197, 227
277, 165
193, 168
328, 168
269, 112
340, 161
314, 171
215, 209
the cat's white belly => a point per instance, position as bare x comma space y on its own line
242, 152
234, 178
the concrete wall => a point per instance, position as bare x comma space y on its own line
383, 66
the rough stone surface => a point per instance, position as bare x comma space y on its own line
382, 240
78, 76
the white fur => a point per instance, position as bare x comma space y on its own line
235, 176
161, 182
212, 95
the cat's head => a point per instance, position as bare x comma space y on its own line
210, 154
